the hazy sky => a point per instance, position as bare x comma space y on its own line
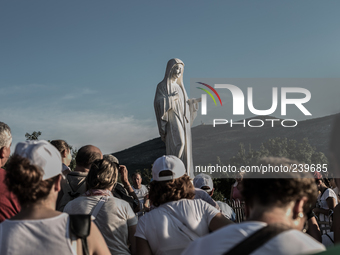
86, 71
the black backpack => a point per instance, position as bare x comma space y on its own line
80, 225
120, 192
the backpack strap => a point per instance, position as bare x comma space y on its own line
330, 238
80, 226
323, 192
179, 224
99, 205
257, 239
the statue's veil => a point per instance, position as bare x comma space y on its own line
168, 73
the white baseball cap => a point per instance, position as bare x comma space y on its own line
168, 162
42, 154
202, 180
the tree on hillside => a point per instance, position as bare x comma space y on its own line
279, 147
33, 136
74, 152
147, 175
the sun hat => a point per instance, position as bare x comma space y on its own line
42, 154
168, 162
203, 180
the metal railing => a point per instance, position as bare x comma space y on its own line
239, 209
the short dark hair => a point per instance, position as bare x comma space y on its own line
61, 145
165, 191
135, 173
282, 190
87, 155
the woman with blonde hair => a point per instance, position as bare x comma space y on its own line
113, 216
34, 174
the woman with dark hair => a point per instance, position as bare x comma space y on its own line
113, 216
326, 201
276, 211
177, 219
65, 152
34, 174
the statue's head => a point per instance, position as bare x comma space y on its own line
174, 69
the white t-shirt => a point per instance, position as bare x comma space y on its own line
113, 219
141, 193
161, 231
322, 201
202, 194
226, 210
289, 242
39, 237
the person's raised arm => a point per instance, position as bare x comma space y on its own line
125, 180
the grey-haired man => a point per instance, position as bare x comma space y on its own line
9, 205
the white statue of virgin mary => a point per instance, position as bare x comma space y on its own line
175, 113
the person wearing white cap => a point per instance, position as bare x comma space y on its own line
33, 174
177, 218
204, 182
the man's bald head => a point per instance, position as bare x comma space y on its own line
87, 155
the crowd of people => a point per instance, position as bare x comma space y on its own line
47, 208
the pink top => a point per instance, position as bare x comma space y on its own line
236, 193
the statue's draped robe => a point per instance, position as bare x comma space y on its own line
175, 114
